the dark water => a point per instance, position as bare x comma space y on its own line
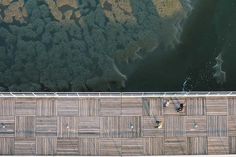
210, 30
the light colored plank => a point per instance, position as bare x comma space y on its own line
67, 127
197, 145
46, 107
196, 106
88, 107
217, 106
25, 106
125, 126
156, 107
218, 145
89, 127
25, 126
25, 146
132, 146
103, 127
232, 144
153, 146
196, 126
232, 125
216, 126
67, 146
7, 146
67, 107
46, 145
132, 106
46, 126
110, 147
175, 126
152, 107
110, 106
7, 126
232, 106
7, 107
88, 146
175, 146
110, 127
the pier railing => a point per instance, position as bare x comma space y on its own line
120, 94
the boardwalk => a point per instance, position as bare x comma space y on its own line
117, 126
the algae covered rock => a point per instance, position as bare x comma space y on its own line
80, 45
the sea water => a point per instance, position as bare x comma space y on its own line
209, 31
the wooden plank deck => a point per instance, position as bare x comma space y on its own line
110, 146
117, 126
7, 107
196, 106
218, 145
46, 145
217, 106
197, 145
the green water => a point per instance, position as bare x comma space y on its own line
210, 30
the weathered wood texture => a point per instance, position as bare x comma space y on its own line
117, 126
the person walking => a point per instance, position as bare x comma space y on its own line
179, 107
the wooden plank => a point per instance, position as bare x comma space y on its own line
25, 146
153, 146
196, 106
25, 126
132, 106
197, 145
175, 146
217, 106
25, 107
175, 126
232, 144
146, 107
46, 145
196, 126
156, 107
67, 126
89, 127
7, 107
7, 126
67, 107
110, 147
88, 107
171, 109
132, 146
216, 126
67, 146
232, 125
46, 107
100, 127
46, 126
149, 129
110, 106
7, 146
232, 106
218, 145
126, 129
152, 107
88, 146
110, 127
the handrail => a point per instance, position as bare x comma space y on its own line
120, 94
